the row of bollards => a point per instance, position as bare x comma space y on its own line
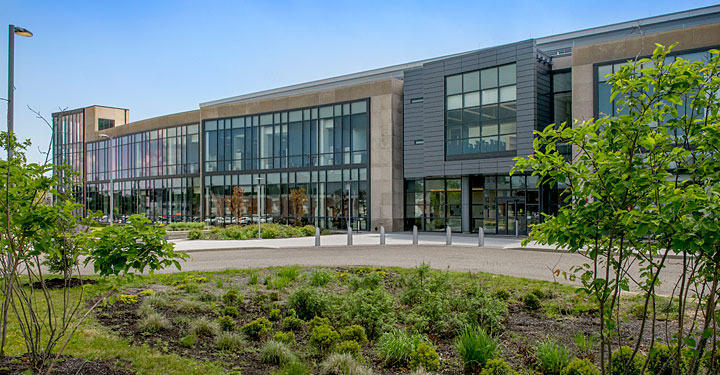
415, 239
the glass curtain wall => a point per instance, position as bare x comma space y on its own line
562, 106
495, 203
313, 137
326, 198
153, 174
68, 144
319, 156
481, 111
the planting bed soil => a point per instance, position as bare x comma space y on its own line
66, 366
60, 283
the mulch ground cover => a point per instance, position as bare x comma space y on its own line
66, 366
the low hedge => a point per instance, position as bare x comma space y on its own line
245, 232
178, 226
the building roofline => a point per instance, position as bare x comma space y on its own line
629, 24
86, 107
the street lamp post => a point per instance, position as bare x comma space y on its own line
112, 171
12, 30
259, 180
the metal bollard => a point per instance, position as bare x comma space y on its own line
517, 229
415, 235
349, 239
448, 236
481, 237
317, 236
382, 235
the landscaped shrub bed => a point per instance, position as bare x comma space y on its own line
177, 226
364, 320
244, 232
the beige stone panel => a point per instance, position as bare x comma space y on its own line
191, 117
628, 48
582, 92
561, 62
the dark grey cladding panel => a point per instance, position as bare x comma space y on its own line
427, 120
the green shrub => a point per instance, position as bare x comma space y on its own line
308, 230
355, 333
228, 341
551, 356
373, 309
502, 294
531, 301
487, 312
662, 360
351, 347
323, 338
396, 347
231, 311
276, 353
621, 363
711, 361
293, 368
308, 302
195, 234
292, 323
317, 322
425, 357
227, 323
257, 328
202, 326
580, 366
275, 315
343, 364
188, 341
232, 298
269, 232
476, 348
320, 278
538, 293
497, 367
285, 337
176, 226
153, 322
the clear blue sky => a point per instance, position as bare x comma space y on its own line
160, 57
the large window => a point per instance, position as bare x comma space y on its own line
314, 137
104, 123
607, 107
433, 203
481, 111
562, 106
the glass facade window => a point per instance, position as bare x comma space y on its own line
495, 203
104, 123
607, 107
562, 106
314, 137
153, 174
68, 149
481, 111
327, 198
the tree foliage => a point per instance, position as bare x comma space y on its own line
643, 184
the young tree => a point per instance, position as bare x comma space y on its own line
298, 198
238, 202
643, 185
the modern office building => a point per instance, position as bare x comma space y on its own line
429, 143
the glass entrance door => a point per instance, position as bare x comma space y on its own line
509, 212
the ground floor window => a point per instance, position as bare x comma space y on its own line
162, 200
326, 198
496, 203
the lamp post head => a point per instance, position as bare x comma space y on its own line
22, 32
105, 136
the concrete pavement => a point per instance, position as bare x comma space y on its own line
502, 256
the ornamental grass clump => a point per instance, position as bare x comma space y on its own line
343, 364
476, 348
228, 341
154, 322
204, 327
551, 356
397, 347
276, 353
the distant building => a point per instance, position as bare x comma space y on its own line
428, 143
